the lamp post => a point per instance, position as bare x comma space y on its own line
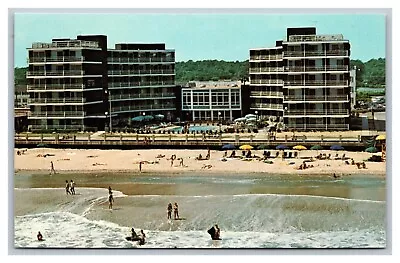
109, 107
256, 112
219, 124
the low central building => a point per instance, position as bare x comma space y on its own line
214, 101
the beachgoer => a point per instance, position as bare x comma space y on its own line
134, 235
39, 236
72, 187
110, 200
52, 168
176, 214
142, 237
364, 165
140, 166
172, 162
67, 187
169, 211
217, 232
225, 154
181, 162
109, 190
208, 154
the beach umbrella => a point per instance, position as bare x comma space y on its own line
316, 147
138, 118
159, 116
281, 147
371, 149
262, 147
381, 137
246, 147
148, 117
250, 116
337, 148
299, 147
42, 145
251, 119
240, 119
228, 147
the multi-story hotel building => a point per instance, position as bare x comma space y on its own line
214, 101
79, 84
311, 72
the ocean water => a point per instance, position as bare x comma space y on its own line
247, 220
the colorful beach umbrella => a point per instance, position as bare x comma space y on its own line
246, 147
281, 147
228, 147
262, 147
381, 137
299, 147
316, 147
138, 118
371, 149
337, 148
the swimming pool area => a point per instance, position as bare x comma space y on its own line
196, 128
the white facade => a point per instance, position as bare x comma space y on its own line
211, 103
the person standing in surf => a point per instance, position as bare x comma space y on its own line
176, 214
169, 211
52, 168
67, 187
110, 201
72, 187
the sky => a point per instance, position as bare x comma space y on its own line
199, 36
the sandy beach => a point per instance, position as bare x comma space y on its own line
158, 161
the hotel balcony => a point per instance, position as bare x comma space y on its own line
266, 81
136, 108
55, 127
315, 38
57, 101
143, 96
316, 69
140, 84
313, 98
266, 94
67, 44
266, 70
58, 114
56, 87
316, 83
58, 59
322, 53
140, 60
58, 73
307, 126
306, 112
266, 57
266, 106
141, 72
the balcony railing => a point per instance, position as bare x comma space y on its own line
67, 44
266, 81
140, 60
56, 100
57, 59
80, 114
266, 106
266, 93
56, 127
317, 98
143, 108
266, 69
142, 96
317, 112
266, 57
321, 53
310, 69
57, 73
140, 72
316, 83
56, 87
313, 38
140, 84
306, 126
